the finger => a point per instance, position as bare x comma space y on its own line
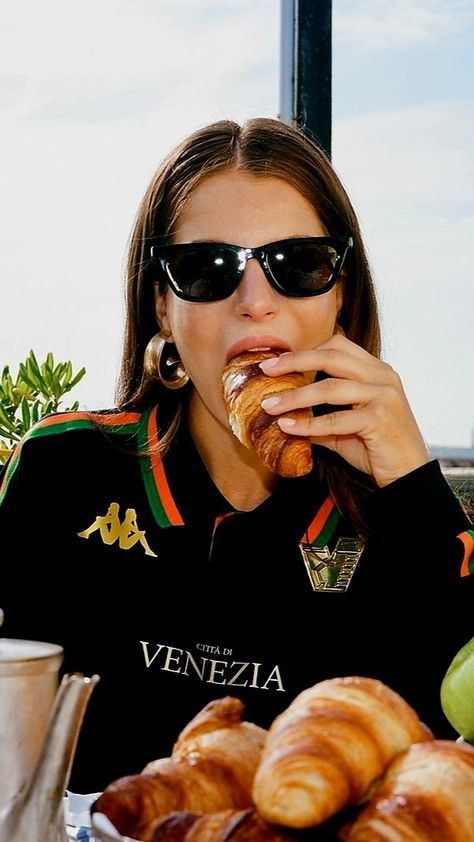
333, 391
342, 343
343, 423
333, 361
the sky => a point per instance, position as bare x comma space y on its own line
94, 95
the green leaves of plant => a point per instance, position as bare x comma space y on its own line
25, 413
7, 421
46, 379
37, 392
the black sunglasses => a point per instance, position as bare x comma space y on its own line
298, 267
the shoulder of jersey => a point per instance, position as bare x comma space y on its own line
110, 420
65, 424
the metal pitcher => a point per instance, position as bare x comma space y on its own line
39, 727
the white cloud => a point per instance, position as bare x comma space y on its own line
378, 24
421, 153
116, 44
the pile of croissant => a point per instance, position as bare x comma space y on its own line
345, 741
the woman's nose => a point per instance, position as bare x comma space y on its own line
255, 298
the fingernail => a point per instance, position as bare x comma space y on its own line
286, 422
267, 364
268, 403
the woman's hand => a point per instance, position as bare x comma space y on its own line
378, 435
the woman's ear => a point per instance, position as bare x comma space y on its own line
161, 313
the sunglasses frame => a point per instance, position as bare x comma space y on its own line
162, 253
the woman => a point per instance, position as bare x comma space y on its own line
186, 568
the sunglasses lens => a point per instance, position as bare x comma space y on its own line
213, 272
303, 268
208, 274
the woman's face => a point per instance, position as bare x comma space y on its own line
247, 210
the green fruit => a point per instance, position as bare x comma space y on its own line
457, 692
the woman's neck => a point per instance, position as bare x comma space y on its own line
236, 471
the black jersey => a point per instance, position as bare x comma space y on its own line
146, 574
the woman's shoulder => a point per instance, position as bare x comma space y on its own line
69, 437
57, 423
69, 423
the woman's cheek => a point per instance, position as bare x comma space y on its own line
201, 360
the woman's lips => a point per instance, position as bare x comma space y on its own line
257, 342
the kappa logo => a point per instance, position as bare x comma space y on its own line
112, 530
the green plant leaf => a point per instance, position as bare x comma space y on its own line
8, 385
37, 393
48, 376
4, 382
10, 380
32, 361
59, 371
56, 386
35, 412
47, 409
5, 452
7, 433
78, 377
25, 414
68, 375
29, 377
22, 391
5, 421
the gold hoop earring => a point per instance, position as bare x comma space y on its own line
340, 330
157, 364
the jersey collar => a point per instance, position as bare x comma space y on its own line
181, 491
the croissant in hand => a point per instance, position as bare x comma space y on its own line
212, 767
245, 386
427, 795
326, 750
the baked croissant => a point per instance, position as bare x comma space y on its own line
427, 795
326, 750
211, 769
225, 826
245, 386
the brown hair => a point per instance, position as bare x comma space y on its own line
263, 147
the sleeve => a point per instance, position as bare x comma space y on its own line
25, 579
421, 510
416, 528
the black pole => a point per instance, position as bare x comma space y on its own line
306, 68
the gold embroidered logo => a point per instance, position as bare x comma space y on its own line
111, 530
332, 572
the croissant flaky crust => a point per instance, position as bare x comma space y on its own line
226, 826
211, 769
427, 795
329, 747
244, 387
